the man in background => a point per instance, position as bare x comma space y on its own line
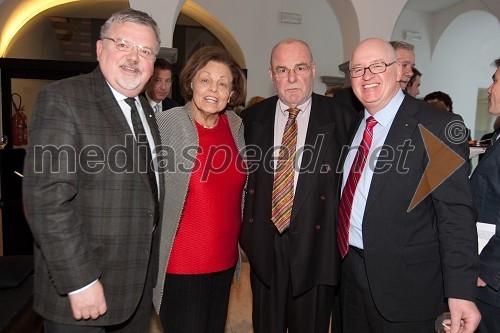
90, 195
485, 181
405, 56
159, 86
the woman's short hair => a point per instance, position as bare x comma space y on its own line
200, 59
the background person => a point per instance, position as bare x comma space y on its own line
486, 186
440, 96
93, 224
159, 86
202, 217
291, 248
413, 87
405, 56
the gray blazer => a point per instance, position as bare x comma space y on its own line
90, 210
179, 139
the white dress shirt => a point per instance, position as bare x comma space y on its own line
384, 120
280, 119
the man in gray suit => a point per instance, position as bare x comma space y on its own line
486, 185
90, 196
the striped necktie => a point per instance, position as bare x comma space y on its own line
282, 200
346, 200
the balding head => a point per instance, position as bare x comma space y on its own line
375, 91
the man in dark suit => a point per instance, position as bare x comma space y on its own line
159, 86
486, 186
401, 262
294, 268
90, 196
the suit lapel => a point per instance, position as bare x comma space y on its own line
402, 128
319, 129
265, 130
491, 148
114, 114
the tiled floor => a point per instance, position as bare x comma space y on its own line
240, 304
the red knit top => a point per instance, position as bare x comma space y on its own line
207, 236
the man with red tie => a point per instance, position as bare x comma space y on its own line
401, 262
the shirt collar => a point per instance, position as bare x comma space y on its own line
385, 116
302, 107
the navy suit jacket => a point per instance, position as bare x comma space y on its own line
486, 185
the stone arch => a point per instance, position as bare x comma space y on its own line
203, 17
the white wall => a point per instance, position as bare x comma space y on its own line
255, 25
460, 64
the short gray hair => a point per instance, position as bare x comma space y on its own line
133, 16
399, 44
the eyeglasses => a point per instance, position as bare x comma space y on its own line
126, 46
281, 71
376, 68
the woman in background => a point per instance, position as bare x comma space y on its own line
205, 174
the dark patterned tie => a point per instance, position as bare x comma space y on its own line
142, 143
494, 137
283, 178
357, 167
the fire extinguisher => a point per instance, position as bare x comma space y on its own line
19, 123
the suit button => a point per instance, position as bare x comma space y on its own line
323, 197
251, 191
250, 220
318, 227
150, 213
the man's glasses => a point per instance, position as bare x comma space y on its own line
376, 68
126, 46
281, 71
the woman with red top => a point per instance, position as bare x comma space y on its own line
205, 174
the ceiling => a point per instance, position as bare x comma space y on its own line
431, 6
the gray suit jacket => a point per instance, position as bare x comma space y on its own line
486, 185
179, 139
88, 204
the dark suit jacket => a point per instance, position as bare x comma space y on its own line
486, 185
415, 259
347, 96
90, 210
166, 104
313, 251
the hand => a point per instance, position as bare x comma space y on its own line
465, 316
480, 282
89, 303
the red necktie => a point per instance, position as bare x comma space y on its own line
346, 200
283, 178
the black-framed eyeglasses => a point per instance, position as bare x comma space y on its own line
300, 69
127, 46
376, 68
